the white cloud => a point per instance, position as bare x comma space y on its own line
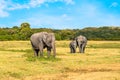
3, 5
7, 5
17, 6
34, 3
114, 4
3, 13
69, 1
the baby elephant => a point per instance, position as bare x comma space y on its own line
73, 46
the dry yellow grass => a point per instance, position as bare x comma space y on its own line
100, 62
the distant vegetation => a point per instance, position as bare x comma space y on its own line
23, 32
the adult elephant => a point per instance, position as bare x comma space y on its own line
42, 40
81, 43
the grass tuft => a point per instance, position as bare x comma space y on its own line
30, 57
13, 74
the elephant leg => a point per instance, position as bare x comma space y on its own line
74, 50
41, 50
82, 48
79, 49
48, 51
71, 50
36, 52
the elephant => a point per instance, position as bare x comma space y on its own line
73, 46
81, 43
42, 40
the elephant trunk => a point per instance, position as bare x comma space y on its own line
79, 46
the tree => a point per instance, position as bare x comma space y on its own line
25, 31
25, 25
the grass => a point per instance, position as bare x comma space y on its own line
101, 61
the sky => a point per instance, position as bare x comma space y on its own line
60, 14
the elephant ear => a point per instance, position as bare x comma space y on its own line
47, 39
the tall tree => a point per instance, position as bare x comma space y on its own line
25, 31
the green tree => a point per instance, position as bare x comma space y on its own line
25, 31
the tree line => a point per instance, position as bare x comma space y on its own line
23, 32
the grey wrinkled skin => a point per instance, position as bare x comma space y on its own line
73, 46
81, 43
42, 40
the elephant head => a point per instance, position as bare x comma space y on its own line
49, 41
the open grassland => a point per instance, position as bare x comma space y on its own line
101, 61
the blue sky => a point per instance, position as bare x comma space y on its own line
60, 14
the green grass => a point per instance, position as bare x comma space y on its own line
101, 61
12, 74
105, 45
